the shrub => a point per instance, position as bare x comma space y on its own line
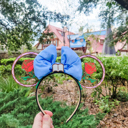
116, 73
18, 111
11, 60
115, 67
20, 61
106, 104
122, 96
5, 71
5, 68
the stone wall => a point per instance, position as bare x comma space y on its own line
5, 55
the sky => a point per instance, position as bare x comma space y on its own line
78, 19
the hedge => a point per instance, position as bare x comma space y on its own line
20, 61
115, 67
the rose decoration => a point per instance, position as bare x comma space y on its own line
90, 68
27, 65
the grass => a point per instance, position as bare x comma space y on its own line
8, 84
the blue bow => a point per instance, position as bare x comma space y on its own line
46, 58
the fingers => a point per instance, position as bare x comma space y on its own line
49, 113
47, 122
52, 123
38, 121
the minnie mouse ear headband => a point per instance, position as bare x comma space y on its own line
44, 61
45, 65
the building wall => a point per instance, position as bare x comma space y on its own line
96, 46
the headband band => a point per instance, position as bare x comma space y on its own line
78, 84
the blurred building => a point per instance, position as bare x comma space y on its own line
58, 38
77, 41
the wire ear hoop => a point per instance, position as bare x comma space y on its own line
102, 66
13, 66
79, 86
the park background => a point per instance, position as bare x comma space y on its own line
22, 26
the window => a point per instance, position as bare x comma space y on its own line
62, 33
73, 41
81, 40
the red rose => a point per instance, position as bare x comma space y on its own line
27, 65
90, 68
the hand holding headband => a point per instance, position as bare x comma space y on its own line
45, 59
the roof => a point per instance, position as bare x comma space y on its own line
102, 32
73, 37
97, 46
56, 30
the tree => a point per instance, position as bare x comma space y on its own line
21, 21
123, 3
46, 37
111, 13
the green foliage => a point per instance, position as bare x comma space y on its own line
16, 109
21, 22
6, 70
115, 68
87, 5
45, 38
122, 96
8, 84
9, 121
58, 59
20, 61
120, 34
11, 60
110, 13
106, 105
109, 4
115, 74
16, 24
59, 78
